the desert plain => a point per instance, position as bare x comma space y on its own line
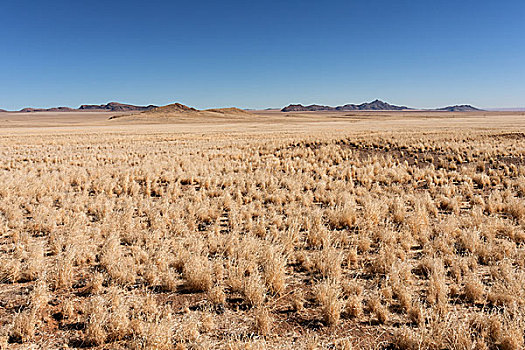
229, 229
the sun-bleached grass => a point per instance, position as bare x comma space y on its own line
406, 240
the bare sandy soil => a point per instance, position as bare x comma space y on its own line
261, 121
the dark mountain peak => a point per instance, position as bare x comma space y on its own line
378, 105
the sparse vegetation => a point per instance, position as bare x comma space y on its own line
408, 240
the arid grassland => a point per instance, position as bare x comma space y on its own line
405, 239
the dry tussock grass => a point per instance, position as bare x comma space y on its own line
161, 241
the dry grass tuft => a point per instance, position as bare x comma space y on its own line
328, 296
263, 321
198, 274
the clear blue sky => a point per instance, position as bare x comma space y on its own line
257, 54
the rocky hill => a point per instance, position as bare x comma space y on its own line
459, 108
117, 107
301, 108
178, 111
173, 108
54, 109
376, 105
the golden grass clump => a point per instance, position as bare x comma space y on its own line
263, 321
328, 296
198, 274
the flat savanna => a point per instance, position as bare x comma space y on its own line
270, 230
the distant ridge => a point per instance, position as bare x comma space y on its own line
376, 105
54, 109
459, 108
111, 107
117, 107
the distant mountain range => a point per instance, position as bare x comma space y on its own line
376, 105
109, 107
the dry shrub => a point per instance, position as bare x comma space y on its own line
198, 274
354, 306
10, 269
407, 339
352, 287
39, 297
344, 344
298, 300
68, 308
263, 321
364, 243
402, 293
352, 257
169, 281
318, 236
152, 335
328, 296
474, 290
35, 263
24, 326
95, 333
379, 310
95, 283
343, 217
437, 292
254, 290
274, 269
398, 211
118, 322
415, 314
62, 275
384, 261
188, 331
207, 323
418, 224
216, 295
328, 263
236, 275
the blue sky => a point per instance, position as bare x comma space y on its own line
258, 54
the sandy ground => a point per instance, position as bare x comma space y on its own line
262, 121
